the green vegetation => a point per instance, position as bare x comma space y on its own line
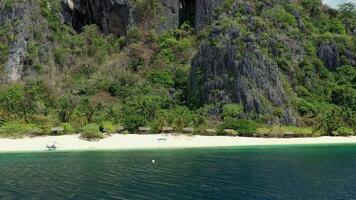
91, 132
8, 4
282, 18
19, 129
232, 110
342, 131
107, 127
68, 128
285, 131
142, 79
242, 127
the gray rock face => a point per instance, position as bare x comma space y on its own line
220, 76
68, 9
351, 57
21, 13
333, 57
163, 17
171, 15
204, 12
329, 54
115, 16
14, 65
112, 16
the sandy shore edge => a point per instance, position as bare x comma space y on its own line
127, 142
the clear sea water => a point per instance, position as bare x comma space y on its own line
257, 173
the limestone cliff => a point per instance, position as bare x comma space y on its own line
205, 11
21, 18
115, 16
112, 16
220, 76
277, 59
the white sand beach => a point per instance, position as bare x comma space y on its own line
116, 141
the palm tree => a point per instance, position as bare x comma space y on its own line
161, 122
67, 107
349, 117
180, 122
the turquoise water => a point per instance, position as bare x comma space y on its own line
303, 172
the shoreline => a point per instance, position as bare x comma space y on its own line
156, 141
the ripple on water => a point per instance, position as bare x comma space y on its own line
261, 173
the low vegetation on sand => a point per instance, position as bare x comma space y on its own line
91, 132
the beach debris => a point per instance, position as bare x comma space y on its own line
162, 139
188, 130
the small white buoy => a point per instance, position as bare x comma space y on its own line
153, 161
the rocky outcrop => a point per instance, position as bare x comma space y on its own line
219, 75
20, 16
15, 63
350, 57
329, 54
115, 16
170, 10
67, 10
334, 57
112, 16
204, 12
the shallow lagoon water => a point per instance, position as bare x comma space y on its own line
280, 172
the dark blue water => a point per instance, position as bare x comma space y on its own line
318, 172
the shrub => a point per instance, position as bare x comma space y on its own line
243, 127
68, 128
281, 17
346, 75
161, 77
312, 6
8, 4
232, 110
305, 107
344, 96
22, 100
336, 26
158, 124
147, 12
91, 132
343, 131
133, 121
12, 98
107, 127
282, 131
178, 117
329, 121
19, 129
